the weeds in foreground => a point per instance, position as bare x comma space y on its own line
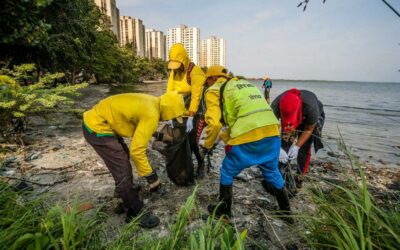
213, 234
28, 224
348, 217
33, 225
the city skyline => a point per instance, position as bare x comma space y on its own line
151, 43
340, 40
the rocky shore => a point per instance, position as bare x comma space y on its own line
57, 164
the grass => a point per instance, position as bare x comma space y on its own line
347, 216
26, 224
213, 234
32, 225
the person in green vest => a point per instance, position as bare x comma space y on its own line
251, 136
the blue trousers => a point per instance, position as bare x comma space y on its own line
264, 153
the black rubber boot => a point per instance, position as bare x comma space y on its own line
225, 197
119, 209
282, 199
147, 220
200, 170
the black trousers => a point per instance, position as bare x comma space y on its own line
115, 154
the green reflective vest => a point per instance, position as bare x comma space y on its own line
244, 107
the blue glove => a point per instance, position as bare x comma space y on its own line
189, 124
293, 152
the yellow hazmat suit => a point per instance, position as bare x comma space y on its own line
177, 81
134, 115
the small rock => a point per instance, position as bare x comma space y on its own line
9, 172
277, 223
244, 177
8, 161
381, 161
33, 156
57, 147
332, 154
22, 186
262, 198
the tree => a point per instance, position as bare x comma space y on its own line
18, 99
305, 2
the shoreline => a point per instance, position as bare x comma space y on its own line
63, 166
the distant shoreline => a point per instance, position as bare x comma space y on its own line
154, 81
293, 80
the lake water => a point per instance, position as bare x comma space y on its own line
367, 114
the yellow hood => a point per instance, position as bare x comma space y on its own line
178, 53
171, 106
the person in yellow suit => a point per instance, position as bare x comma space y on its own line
136, 116
251, 136
186, 79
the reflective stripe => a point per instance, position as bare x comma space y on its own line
92, 132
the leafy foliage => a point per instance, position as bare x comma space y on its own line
21, 22
21, 95
72, 37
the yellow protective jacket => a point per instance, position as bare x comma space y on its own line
178, 81
133, 115
213, 121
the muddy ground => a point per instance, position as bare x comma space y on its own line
61, 167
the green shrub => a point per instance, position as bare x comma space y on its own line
21, 95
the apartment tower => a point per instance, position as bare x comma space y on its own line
109, 8
133, 32
155, 44
213, 52
189, 37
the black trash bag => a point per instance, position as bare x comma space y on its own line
179, 162
178, 154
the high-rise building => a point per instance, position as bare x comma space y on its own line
189, 37
109, 8
155, 44
213, 52
133, 32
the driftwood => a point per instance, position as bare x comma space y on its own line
59, 169
101, 173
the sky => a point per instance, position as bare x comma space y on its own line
341, 40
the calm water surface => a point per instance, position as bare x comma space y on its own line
367, 114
